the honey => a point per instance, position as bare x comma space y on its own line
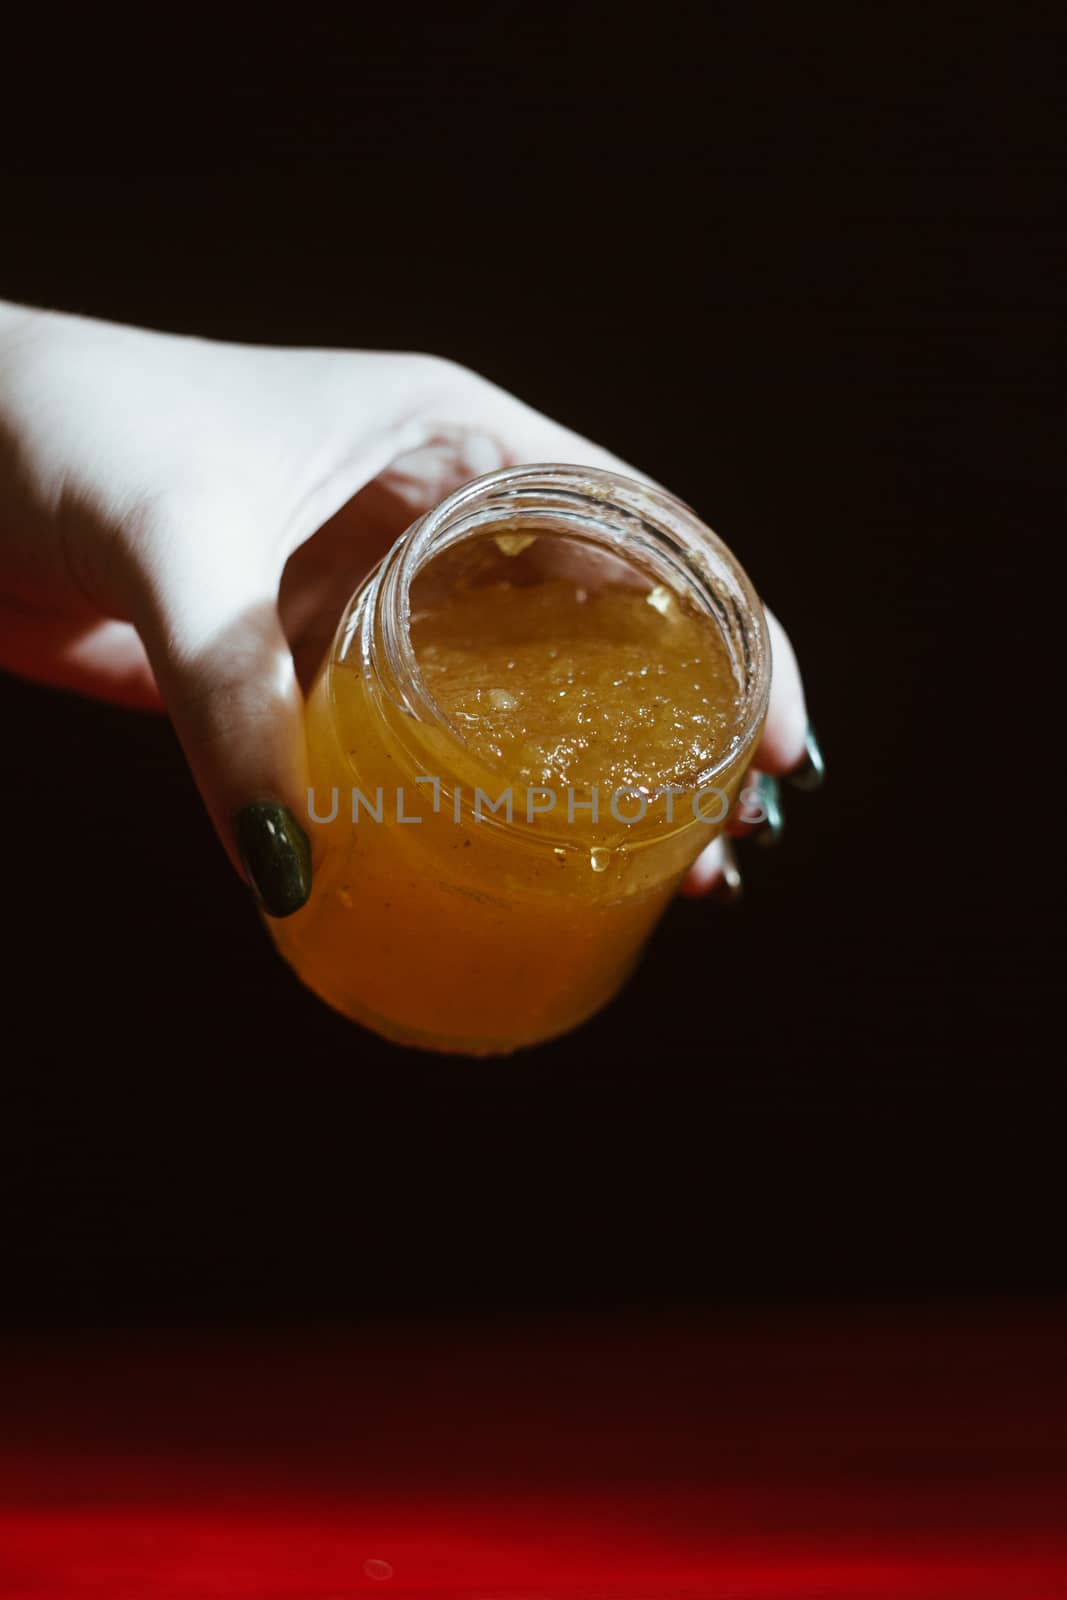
512, 768
560, 683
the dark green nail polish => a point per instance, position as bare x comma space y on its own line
770, 830
812, 770
730, 890
275, 854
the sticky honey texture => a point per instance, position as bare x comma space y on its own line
552, 683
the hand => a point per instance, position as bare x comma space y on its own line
182, 522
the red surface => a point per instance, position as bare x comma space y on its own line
864, 1456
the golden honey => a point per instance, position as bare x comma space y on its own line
504, 802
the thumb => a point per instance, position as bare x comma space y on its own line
226, 675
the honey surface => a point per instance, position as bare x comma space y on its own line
555, 683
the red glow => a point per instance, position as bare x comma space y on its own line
774, 1462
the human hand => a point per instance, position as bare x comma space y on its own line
182, 522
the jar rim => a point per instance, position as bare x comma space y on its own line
648, 525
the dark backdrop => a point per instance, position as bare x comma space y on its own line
805, 274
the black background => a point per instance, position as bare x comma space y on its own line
804, 271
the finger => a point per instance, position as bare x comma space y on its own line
714, 872
781, 747
323, 573
758, 813
103, 659
224, 669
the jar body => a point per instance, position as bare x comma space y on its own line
449, 927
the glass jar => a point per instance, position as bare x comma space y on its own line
454, 923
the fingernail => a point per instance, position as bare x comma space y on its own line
730, 890
770, 830
812, 770
275, 854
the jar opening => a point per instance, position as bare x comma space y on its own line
624, 531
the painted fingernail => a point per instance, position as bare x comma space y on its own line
812, 770
276, 855
770, 830
730, 890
